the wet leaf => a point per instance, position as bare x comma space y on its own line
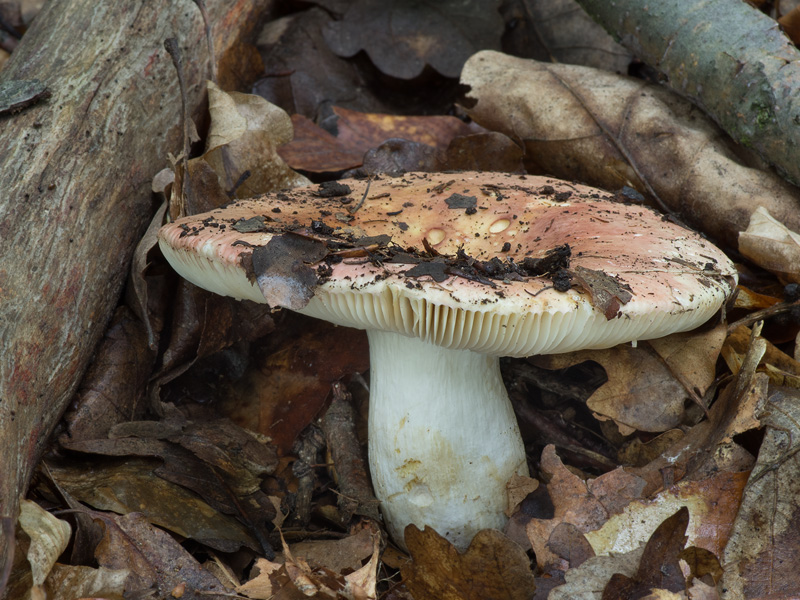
204, 324
17, 94
401, 38
282, 271
490, 151
492, 567
608, 294
216, 460
289, 381
140, 284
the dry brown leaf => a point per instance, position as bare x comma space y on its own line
346, 554
772, 245
751, 300
260, 587
573, 503
760, 558
492, 567
609, 130
518, 488
158, 564
781, 368
708, 447
303, 76
647, 386
133, 486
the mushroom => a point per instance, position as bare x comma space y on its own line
447, 273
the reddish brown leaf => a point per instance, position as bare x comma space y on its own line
288, 384
314, 149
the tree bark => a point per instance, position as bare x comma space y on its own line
75, 174
730, 59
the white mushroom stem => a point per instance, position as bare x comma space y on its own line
443, 438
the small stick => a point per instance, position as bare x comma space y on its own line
171, 45
209, 39
364, 197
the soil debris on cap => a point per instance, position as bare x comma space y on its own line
461, 201
333, 189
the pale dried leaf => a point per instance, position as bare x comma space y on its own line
362, 583
587, 581
49, 538
772, 245
242, 145
259, 587
703, 591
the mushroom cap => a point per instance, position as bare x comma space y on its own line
635, 275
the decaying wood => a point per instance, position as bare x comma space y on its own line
75, 196
730, 59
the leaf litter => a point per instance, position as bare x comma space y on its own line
703, 451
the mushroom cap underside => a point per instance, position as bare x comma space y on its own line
440, 257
